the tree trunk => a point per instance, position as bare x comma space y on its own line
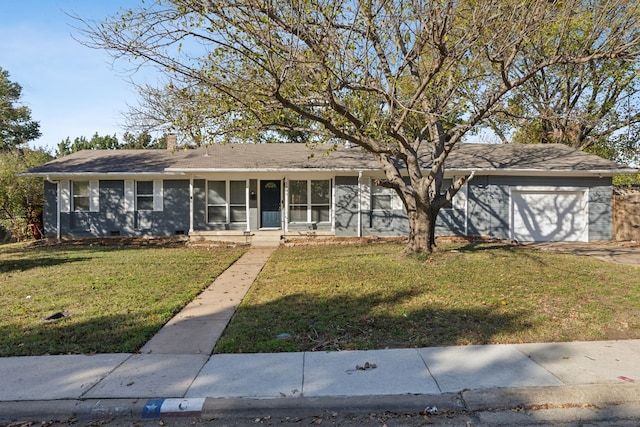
421, 232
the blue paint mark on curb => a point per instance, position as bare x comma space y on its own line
157, 408
152, 409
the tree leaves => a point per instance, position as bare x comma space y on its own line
16, 126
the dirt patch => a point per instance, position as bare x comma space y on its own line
173, 241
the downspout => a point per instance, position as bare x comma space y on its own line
359, 204
58, 197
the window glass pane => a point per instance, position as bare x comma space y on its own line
80, 195
145, 203
446, 183
238, 214
81, 203
320, 192
381, 202
217, 213
378, 189
81, 188
237, 190
144, 187
320, 214
298, 192
298, 214
217, 193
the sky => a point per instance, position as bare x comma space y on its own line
72, 90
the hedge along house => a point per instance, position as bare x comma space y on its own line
228, 192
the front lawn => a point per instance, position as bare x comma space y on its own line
113, 299
367, 297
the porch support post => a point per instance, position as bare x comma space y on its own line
246, 204
191, 204
58, 209
360, 204
332, 208
285, 206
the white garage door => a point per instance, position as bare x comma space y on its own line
549, 216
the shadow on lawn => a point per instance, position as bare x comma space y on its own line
105, 334
11, 266
531, 254
367, 322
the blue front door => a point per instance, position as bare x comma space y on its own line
270, 198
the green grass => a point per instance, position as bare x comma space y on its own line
117, 297
367, 297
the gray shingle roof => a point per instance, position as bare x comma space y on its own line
254, 157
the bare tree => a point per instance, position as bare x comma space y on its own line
403, 79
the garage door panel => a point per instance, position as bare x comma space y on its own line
548, 216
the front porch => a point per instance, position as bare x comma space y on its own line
258, 237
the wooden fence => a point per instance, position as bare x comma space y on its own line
626, 214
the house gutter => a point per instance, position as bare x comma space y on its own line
600, 173
58, 198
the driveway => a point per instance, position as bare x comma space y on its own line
619, 252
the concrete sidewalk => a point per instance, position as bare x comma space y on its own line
453, 378
174, 374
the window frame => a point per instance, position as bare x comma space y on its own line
148, 197
230, 203
75, 197
379, 192
308, 205
234, 204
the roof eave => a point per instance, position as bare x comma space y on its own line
541, 172
264, 170
62, 175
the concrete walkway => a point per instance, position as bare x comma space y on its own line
174, 374
197, 328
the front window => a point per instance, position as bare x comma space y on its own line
298, 201
309, 201
237, 201
320, 201
81, 195
220, 197
446, 183
144, 195
217, 201
381, 198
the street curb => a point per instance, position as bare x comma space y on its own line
66, 409
222, 408
589, 394
597, 395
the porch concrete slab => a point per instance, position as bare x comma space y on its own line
365, 373
482, 367
149, 376
265, 375
54, 377
601, 362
